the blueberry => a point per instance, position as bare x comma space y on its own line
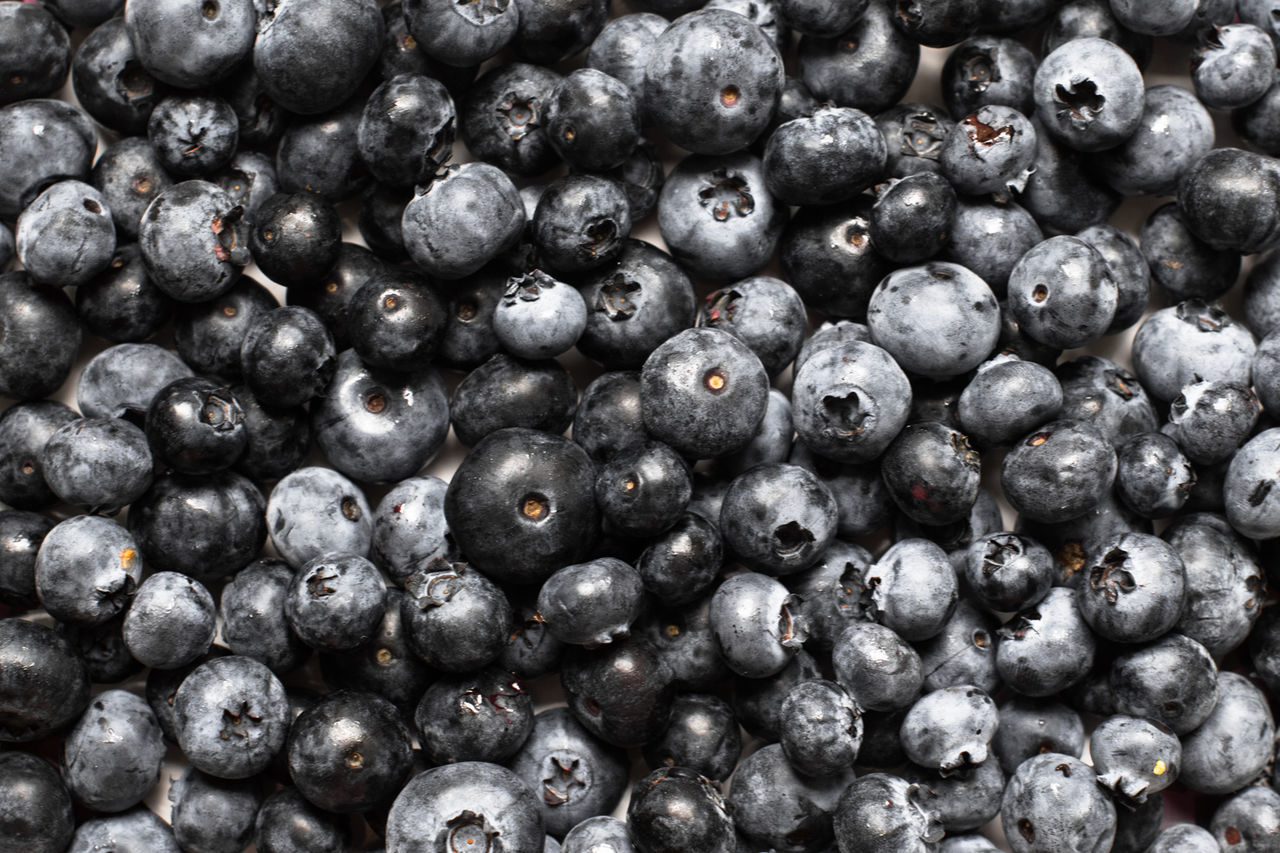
462, 219
591, 603
1129, 269
1151, 160
551, 32
171, 621
1184, 838
38, 52
20, 536
798, 157
1135, 588
302, 62
193, 136
1247, 490
1185, 266
1155, 19
1099, 392
717, 216
849, 401
831, 258
287, 823
87, 569
43, 683
964, 799
209, 334
504, 118
130, 832
41, 337
295, 238
1089, 94
869, 66
407, 129
878, 668
335, 601
39, 818
538, 317
623, 47
461, 35
990, 150
580, 221
681, 564
456, 618
1134, 758
1062, 293
249, 178
409, 527
212, 815
676, 809
702, 735
1007, 398
1233, 66
1233, 744
1250, 818
1030, 727
757, 624
530, 650
1226, 198
231, 717
122, 304
194, 241
573, 775
315, 511
1047, 647
914, 136
938, 319
989, 238
879, 813
196, 426
109, 81
912, 217
113, 753
61, 150
1053, 802
1059, 472
593, 120
321, 154
988, 70
1008, 572
100, 464
621, 692
821, 728
1153, 477
1210, 420
121, 381
253, 618
45, 231
205, 527
484, 716
1090, 18
287, 356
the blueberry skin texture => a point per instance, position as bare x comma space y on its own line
209, 334
964, 652
1176, 345
461, 35
213, 815
941, 303
1210, 420
356, 267
295, 238
377, 426
44, 235
757, 624
231, 715
205, 527
879, 813
1233, 67
991, 150
1134, 757
608, 418
1262, 296
194, 241
1062, 293
717, 216
1052, 802
196, 426
985, 70
460, 221
31, 161
171, 621
409, 527
485, 716
87, 570
1185, 266
692, 381
1151, 161
623, 47
869, 66
43, 682
1101, 393
643, 491
41, 337
676, 809
757, 703
580, 222
538, 317
931, 473
521, 504
1247, 490
503, 118
394, 321
1153, 477
1224, 581
407, 129
1007, 398
1135, 589
778, 518
1128, 268
1031, 726
287, 356
470, 799
774, 806
914, 135
911, 589
456, 618
832, 260
189, 45
24, 429
1062, 192
573, 775
878, 668
1089, 94
1233, 744
37, 49
702, 735
591, 603
729, 100
1251, 817
824, 158
321, 154
1008, 572
131, 832
193, 136
315, 511
593, 120
1046, 648
335, 602
989, 237
633, 305
849, 401
1227, 198
386, 665
99, 464
121, 304
38, 815
20, 536
821, 728
1184, 838
763, 312
621, 692
113, 754
287, 823
121, 380
98, 79
911, 219
681, 564
1059, 472
249, 178
820, 19
948, 730
311, 57
251, 607
600, 833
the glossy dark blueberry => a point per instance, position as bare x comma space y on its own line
591, 603
196, 426
931, 473
1007, 398
621, 692
209, 334
456, 618
643, 491
462, 219
301, 61
37, 52
62, 150
831, 259
799, 154
778, 518
407, 128
493, 803
39, 818
989, 238
530, 650
287, 356
409, 526
1181, 263
194, 136
1034, 726
681, 564
702, 735
253, 620
1059, 472
1226, 199
287, 823
964, 652
704, 821
230, 716
504, 120
485, 716
521, 504
295, 239
194, 241
1210, 420
1233, 743
260, 119
213, 815
385, 665
41, 337
1047, 647
279, 439
129, 175
878, 668
335, 602
1062, 192
593, 120
717, 216
43, 682
320, 154
1053, 801
20, 536
912, 217
580, 222
914, 135
24, 429
538, 316
573, 774
109, 81
331, 298
623, 47
122, 304
608, 418
880, 812
1008, 572
869, 66
685, 640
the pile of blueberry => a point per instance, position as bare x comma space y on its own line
762, 529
